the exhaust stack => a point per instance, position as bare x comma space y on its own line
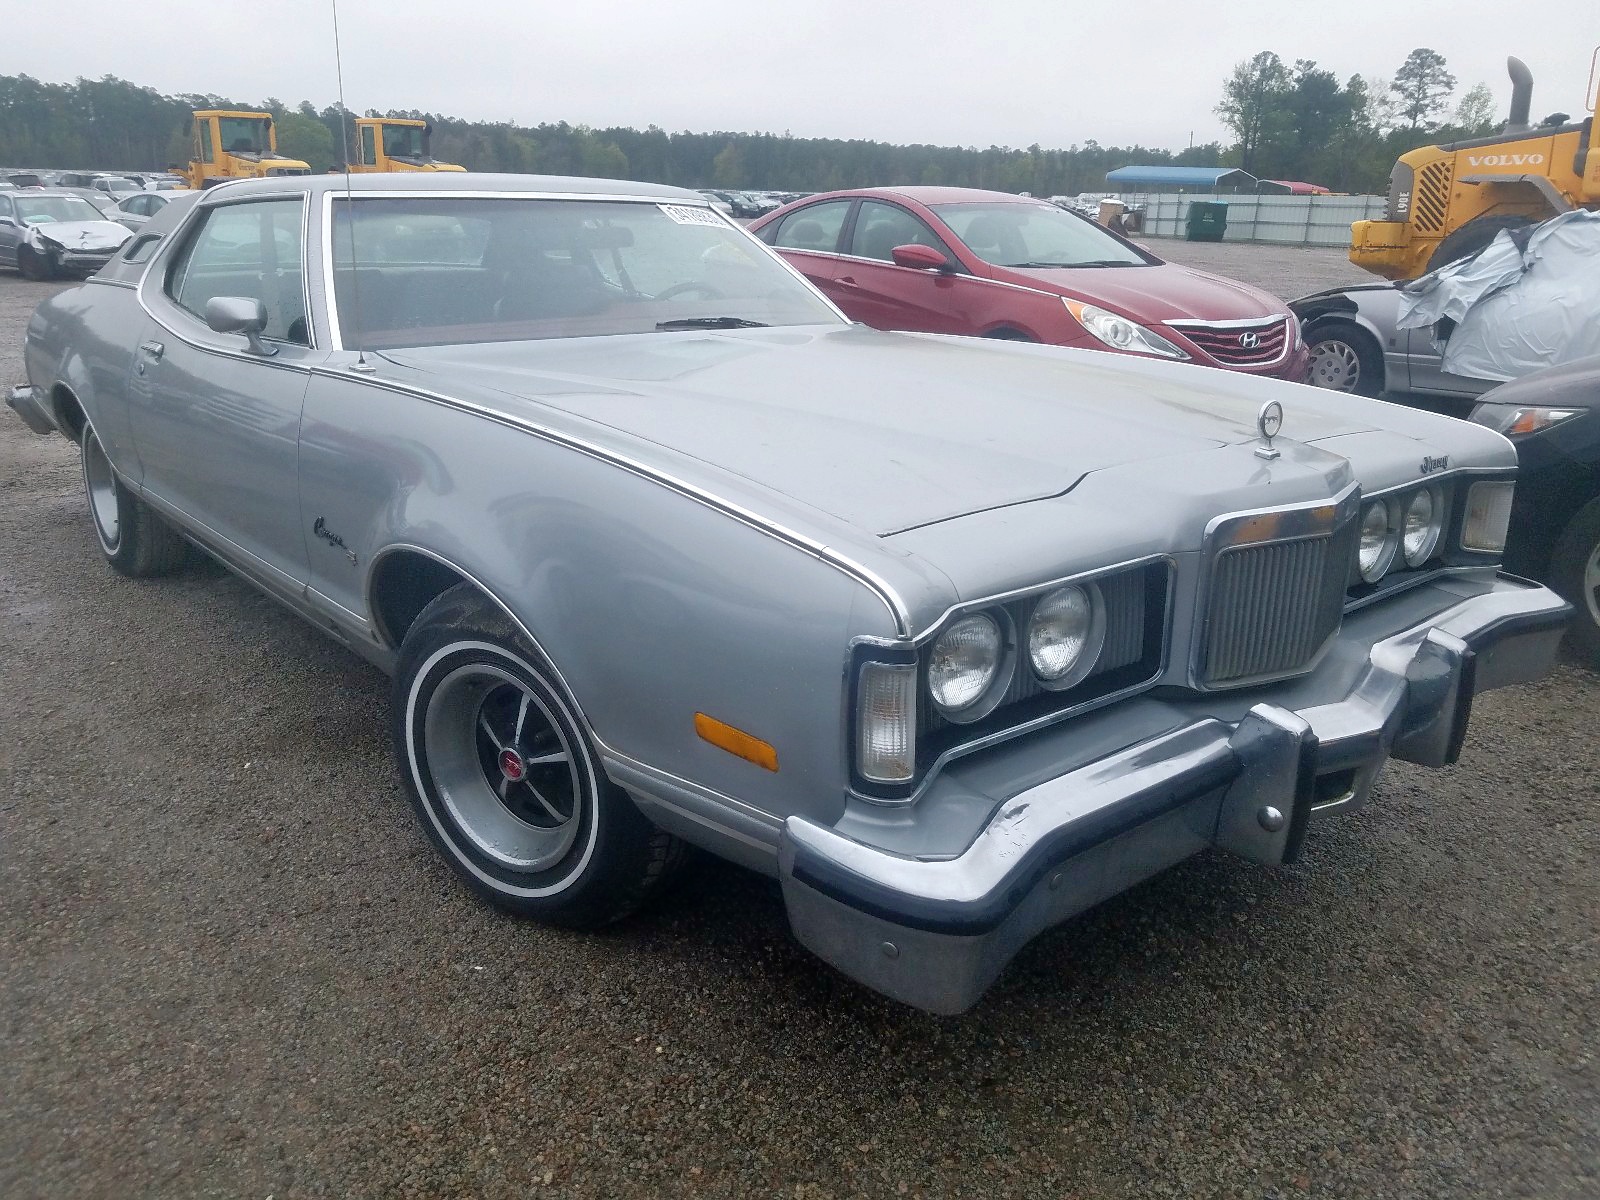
1521, 95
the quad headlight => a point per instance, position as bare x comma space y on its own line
964, 666
1065, 634
1378, 541
1421, 525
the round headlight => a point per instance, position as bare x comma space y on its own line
1065, 634
1377, 543
1420, 530
964, 662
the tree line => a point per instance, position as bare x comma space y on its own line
1301, 122
1298, 122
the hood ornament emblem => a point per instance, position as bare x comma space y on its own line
1268, 422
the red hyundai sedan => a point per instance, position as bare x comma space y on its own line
990, 264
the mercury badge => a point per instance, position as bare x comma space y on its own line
1268, 421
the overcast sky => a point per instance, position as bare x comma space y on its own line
948, 72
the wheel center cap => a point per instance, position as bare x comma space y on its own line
511, 766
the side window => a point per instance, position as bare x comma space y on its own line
250, 249
881, 227
202, 141
815, 227
140, 249
7, 210
369, 149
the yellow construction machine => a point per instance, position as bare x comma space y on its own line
236, 145
395, 144
1446, 202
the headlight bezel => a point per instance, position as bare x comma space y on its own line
1518, 421
1100, 323
1088, 656
993, 688
1384, 558
1432, 535
1133, 660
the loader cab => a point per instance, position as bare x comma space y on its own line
395, 144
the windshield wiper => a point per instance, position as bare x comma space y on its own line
711, 323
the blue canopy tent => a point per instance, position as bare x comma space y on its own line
1181, 179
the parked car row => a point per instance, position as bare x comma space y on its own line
112, 183
954, 637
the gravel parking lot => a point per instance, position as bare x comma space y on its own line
230, 965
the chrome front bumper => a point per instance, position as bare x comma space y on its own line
934, 932
25, 402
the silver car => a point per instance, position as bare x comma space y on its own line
133, 211
1355, 347
45, 233
954, 638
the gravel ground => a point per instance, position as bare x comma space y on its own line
231, 966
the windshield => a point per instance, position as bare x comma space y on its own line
403, 141
1035, 235
242, 135
41, 210
444, 270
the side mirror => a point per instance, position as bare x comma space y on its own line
240, 314
920, 258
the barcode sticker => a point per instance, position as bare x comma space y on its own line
688, 214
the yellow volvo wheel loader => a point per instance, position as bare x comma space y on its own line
395, 144
229, 144
1446, 202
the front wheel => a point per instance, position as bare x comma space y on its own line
504, 778
1473, 237
1575, 574
1345, 358
31, 265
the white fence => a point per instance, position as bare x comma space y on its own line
1287, 220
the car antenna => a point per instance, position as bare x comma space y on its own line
361, 363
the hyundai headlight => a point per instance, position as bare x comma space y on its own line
1120, 333
1378, 542
1421, 525
964, 664
1065, 634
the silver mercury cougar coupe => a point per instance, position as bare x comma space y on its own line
955, 638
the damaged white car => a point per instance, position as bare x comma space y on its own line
46, 234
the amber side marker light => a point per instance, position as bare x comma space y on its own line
736, 741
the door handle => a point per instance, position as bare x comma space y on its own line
848, 281
154, 349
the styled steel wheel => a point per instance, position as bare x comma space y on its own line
504, 777
1344, 358
134, 540
105, 499
504, 767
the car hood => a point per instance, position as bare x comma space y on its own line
1154, 294
886, 431
84, 235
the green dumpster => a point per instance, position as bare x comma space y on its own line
1207, 221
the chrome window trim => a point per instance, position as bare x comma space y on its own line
329, 298
176, 238
821, 551
1043, 721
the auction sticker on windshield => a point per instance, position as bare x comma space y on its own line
687, 214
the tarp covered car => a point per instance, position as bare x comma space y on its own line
1528, 300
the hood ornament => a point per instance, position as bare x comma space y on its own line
1268, 422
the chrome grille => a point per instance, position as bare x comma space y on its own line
1273, 607
1240, 345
